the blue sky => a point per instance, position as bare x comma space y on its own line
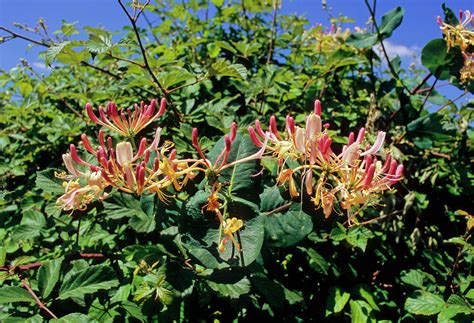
418, 27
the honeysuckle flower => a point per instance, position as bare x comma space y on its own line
127, 122
461, 35
77, 197
230, 226
349, 180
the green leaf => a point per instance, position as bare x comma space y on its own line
48, 276
54, 51
287, 229
74, 318
316, 261
239, 177
99, 44
46, 181
424, 303
361, 312
358, 237
174, 76
141, 212
13, 294
231, 290
390, 21
414, 278
362, 40
439, 61
270, 199
337, 300
88, 280
224, 68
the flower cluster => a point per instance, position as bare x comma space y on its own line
150, 168
350, 180
461, 35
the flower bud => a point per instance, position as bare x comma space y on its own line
91, 114
317, 107
253, 137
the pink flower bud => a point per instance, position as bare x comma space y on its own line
350, 141
172, 155
76, 157
102, 140
369, 177
439, 20
386, 165
141, 148
162, 108
91, 114
326, 125
360, 135
109, 143
195, 138
258, 127
228, 143
317, 107
156, 164
253, 137
87, 144
290, 125
233, 131
326, 146
147, 156
273, 127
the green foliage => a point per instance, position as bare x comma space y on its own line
137, 258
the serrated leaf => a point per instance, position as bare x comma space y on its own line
99, 44
46, 181
54, 51
225, 68
88, 280
424, 303
48, 276
288, 228
74, 318
13, 294
231, 290
414, 278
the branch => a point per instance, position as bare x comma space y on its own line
416, 88
390, 66
427, 96
37, 300
34, 265
133, 21
273, 32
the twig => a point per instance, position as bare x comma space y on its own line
278, 209
133, 21
125, 60
38, 264
37, 300
427, 96
390, 66
416, 88
198, 80
273, 32
452, 101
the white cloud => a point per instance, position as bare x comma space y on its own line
40, 65
400, 50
